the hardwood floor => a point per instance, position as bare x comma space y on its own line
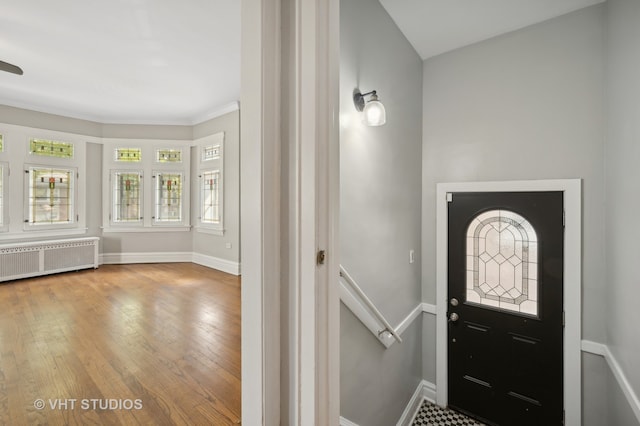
150, 344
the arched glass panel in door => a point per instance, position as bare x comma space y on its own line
502, 262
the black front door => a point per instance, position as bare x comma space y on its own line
505, 308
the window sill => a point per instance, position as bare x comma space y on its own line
202, 230
131, 229
35, 234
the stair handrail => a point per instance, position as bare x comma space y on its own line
388, 327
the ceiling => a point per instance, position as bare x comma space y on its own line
437, 26
163, 62
122, 61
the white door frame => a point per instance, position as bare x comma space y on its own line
306, 390
259, 180
572, 281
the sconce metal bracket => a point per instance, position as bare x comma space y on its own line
358, 98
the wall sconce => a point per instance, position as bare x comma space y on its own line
374, 113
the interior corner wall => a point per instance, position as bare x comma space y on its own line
214, 245
525, 105
622, 156
380, 219
144, 243
149, 242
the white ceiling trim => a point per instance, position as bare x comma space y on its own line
219, 112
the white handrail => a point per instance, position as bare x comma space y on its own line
354, 286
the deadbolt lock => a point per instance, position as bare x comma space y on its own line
454, 301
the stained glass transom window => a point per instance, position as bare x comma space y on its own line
168, 197
210, 193
169, 155
211, 152
50, 196
127, 197
51, 148
1, 144
131, 155
502, 262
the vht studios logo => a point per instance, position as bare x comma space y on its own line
88, 404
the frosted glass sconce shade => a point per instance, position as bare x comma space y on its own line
373, 110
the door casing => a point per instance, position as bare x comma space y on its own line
572, 189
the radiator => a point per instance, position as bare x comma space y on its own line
22, 260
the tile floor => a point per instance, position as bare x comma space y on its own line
432, 415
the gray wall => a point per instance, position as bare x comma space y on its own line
377, 382
41, 120
380, 190
623, 202
596, 379
214, 245
150, 242
525, 105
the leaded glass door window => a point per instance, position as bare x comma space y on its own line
502, 262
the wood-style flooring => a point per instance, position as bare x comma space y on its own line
149, 344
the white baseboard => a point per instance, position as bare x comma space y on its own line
429, 391
216, 263
164, 257
171, 257
345, 422
425, 390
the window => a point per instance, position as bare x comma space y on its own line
50, 199
210, 195
211, 182
129, 155
502, 262
126, 197
49, 148
147, 186
3, 196
169, 155
168, 198
211, 152
42, 190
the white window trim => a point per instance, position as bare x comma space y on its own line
30, 227
149, 167
4, 194
206, 166
183, 151
184, 209
16, 154
111, 190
